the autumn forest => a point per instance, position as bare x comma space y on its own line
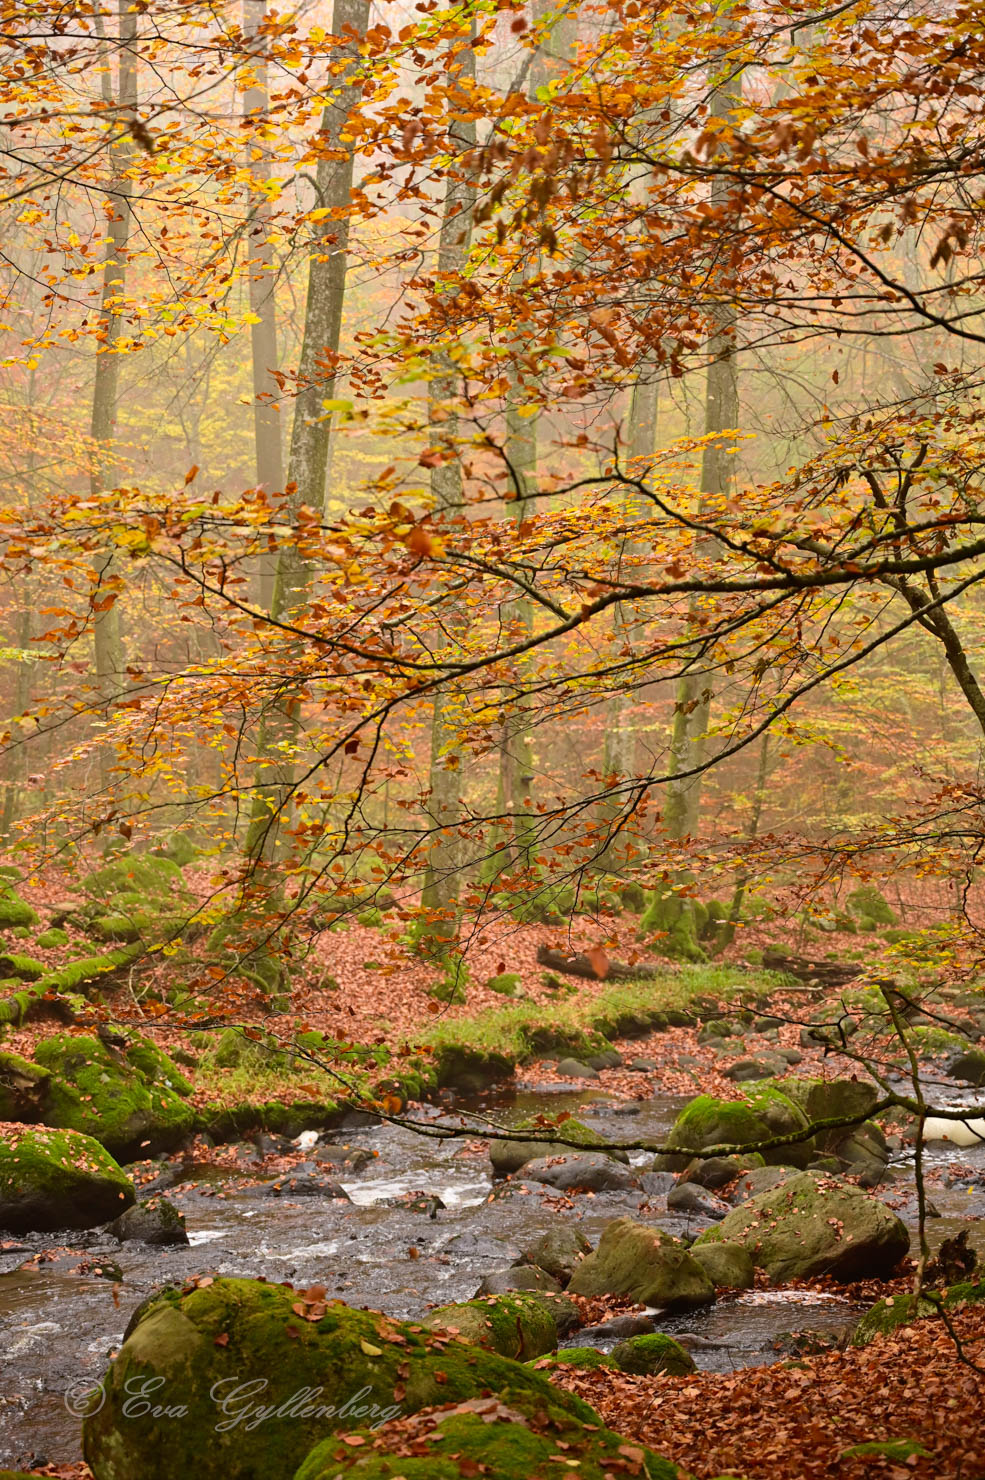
492, 543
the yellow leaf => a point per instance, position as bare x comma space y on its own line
369, 1349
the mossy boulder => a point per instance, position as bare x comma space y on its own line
223, 1350
737, 1124
23, 1088
508, 1438
507, 983
146, 874
53, 1179
559, 1251
517, 1325
510, 1156
870, 909
587, 1358
813, 1224
645, 1263
645, 1356
14, 912
131, 1102
468, 1069
888, 1315
728, 1266
53, 939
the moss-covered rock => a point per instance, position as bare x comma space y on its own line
676, 921
870, 908
14, 912
517, 1325
146, 874
130, 1102
728, 1266
814, 1224
23, 1088
510, 1156
765, 1112
587, 1358
559, 1251
468, 1069
645, 1356
54, 939
56, 1179
226, 1349
503, 1439
902, 1310
645, 1263
507, 983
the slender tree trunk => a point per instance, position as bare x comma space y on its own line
692, 703
108, 635
262, 281
442, 874
311, 430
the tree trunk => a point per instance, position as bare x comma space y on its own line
262, 285
108, 637
442, 874
311, 430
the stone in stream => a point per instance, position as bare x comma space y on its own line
688, 1197
728, 1266
559, 1251
814, 1224
766, 1111
575, 1069
52, 1179
760, 1179
214, 1355
968, 1066
645, 1263
645, 1356
518, 1277
346, 1158
155, 1221
588, 1172
510, 1156
508, 1438
762, 1066
718, 1171
618, 1327
306, 1181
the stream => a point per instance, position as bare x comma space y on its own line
65, 1303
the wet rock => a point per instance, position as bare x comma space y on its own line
643, 1066
268, 1145
645, 1356
760, 1179
306, 1182
728, 1266
416, 1202
155, 1221
510, 1156
575, 1069
346, 1158
618, 1327
716, 1171
689, 1197
591, 1172
968, 1066
629, 1108
350, 1357
58, 1179
762, 1066
645, 1263
705, 1122
658, 1184
558, 1252
520, 1277
813, 1225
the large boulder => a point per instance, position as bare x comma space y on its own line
588, 1172
737, 1125
968, 1066
237, 1377
559, 1251
132, 1100
645, 1356
57, 1179
645, 1263
728, 1266
510, 1438
815, 1224
510, 1156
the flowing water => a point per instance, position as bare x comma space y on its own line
64, 1304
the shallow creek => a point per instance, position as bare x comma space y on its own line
60, 1318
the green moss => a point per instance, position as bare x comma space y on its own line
870, 908
644, 1356
515, 1440
23, 1088
207, 1342
888, 1315
138, 873
645, 1263
51, 940
14, 913
765, 1112
507, 983
899, 1451
24, 968
517, 1325
107, 1095
57, 1179
585, 1357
